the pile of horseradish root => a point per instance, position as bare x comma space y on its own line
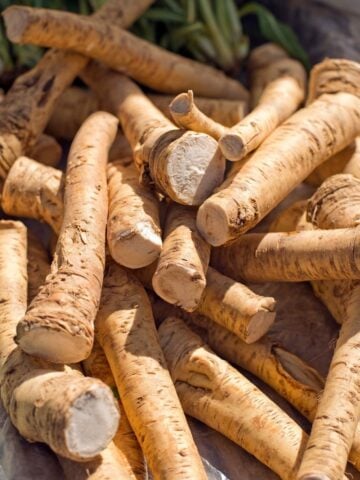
146, 311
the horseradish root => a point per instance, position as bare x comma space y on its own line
338, 414
336, 203
280, 98
133, 230
125, 329
180, 276
27, 106
76, 416
236, 307
291, 257
186, 166
58, 325
188, 116
35, 191
145, 62
221, 110
292, 151
218, 395
123, 457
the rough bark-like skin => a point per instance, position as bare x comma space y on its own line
291, 152
221, 110
218, 395
126, 331
46, 151
334, 206
38, 265
236, 307
145, 62
34, 190
180, 276
39, 396
286, 373
58, 325
344, 161
334, 75
133, 230
280, 98
13, 283
336, 203
186, 166
71, 109
123, 457
188, 116
291, 257
27, 106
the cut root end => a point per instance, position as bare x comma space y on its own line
53, 345
259, 325
93, 422
232, 147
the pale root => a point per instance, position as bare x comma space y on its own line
46, 151
186, 166
291, 257
180, 276
145, 62
221, 110
346, 161
75, 415
126, 330
212, 391
338, 414
133, 229
58, 325
123, 457
34, 190
284, 84
187, 115
336, 203
235, 307
46, 403
291, 152
289, 220
32, 97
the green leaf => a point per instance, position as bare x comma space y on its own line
163, 15
275, 31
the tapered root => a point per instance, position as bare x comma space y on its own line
187, 115
58, 325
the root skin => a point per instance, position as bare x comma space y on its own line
126, 331
218, 395
180, 276
133, 230
58, 325
145, 62
35, 191
291, 152
186, 166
